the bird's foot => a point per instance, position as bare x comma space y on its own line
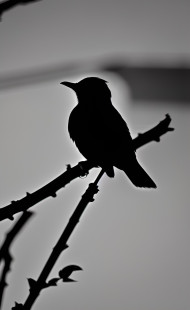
83, 170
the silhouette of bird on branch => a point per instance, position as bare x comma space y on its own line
101, 134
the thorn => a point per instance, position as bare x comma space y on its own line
157, 139
18, 306
54, 195
171, 129
28, 194
31, 283
65, 247
10, 217
68, 167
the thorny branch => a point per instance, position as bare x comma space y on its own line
153, 134
36, 286
81, 169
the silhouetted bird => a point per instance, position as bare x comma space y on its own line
101, 134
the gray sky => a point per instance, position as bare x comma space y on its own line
132, 244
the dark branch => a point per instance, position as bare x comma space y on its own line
5, 255
50, 189
61, 245
153, 134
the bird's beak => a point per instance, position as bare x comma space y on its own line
70, 85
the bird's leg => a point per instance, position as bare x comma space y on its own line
84, 167
99, 177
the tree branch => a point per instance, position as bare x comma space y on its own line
81, 169
153, 134
5, 255
36, 286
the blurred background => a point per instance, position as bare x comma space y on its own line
132, 244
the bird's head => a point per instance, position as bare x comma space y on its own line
90, 88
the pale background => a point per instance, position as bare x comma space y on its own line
132, 244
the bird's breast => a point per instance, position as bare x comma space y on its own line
86, 128
81, 123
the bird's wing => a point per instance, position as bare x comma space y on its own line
113, 133
100, 133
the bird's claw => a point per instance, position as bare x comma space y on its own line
84, 172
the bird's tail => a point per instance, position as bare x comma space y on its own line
138, 176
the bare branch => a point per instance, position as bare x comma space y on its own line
49, 190
36, 286
5, 255
153, 134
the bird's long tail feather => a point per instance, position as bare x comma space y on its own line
139, 176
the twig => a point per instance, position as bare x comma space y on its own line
153, 134
50, 189
5, 255
61, 245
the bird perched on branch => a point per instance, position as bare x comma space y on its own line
100, 132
